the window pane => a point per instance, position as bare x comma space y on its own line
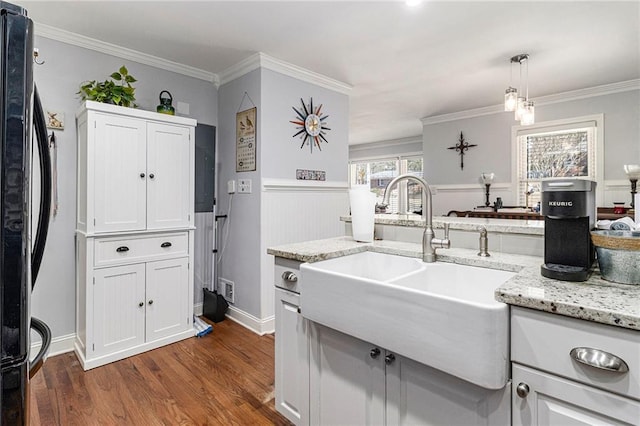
558, 155
381, 174
414, 191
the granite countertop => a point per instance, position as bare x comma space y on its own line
506, 226
594, 300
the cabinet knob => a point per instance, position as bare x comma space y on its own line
522, 390
122, 249
151, 302
299, 310
151, 176
389, 359
375, 353
289, 277
141, 304
165, 244
142, 175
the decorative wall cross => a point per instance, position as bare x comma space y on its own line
461, 147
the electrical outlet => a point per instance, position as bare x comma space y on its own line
231, 186
227, 289
244, 186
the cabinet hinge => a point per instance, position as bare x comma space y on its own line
95, 124
94, 221
94, 280
93, 347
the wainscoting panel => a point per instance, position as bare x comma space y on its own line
293, 213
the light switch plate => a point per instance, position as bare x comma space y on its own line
244, 186
183, 108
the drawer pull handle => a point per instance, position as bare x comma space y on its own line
165, 245
599, 359
289, 276
122, 249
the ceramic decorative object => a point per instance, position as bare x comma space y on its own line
165, 106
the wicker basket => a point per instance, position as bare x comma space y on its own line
618, 255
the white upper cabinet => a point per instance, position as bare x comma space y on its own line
135, 170
120, 174
167, 176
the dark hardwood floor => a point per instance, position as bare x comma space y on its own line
224, 378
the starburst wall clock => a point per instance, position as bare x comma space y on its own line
311, 125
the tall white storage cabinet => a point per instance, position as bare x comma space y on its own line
134, 232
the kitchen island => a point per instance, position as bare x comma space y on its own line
551, 322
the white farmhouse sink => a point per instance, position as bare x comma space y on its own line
439, 314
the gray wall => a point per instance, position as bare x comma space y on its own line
65, 67
244, 260
240, 260
284, 155
492, 133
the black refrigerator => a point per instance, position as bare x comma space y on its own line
22, 126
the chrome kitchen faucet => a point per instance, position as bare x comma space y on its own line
429, 241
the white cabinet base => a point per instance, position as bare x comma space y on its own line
88, 364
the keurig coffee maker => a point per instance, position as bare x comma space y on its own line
569, 209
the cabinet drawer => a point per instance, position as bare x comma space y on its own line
115, 251
282, 266
544, 341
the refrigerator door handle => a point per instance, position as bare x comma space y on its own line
40, 126
45, 332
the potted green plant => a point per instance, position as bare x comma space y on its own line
117, 91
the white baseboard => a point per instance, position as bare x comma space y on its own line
197, 309
59, 345
259, 326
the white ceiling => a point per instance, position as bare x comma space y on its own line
403, 63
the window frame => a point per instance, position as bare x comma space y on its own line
596, 149
401, 166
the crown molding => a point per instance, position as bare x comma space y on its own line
386, 144
74, 39
605, 89
261, 60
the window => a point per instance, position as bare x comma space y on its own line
378, 173
556, 150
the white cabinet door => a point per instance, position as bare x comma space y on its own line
118, 308
420, 395
347, 384
292, 359
120, 177
168, 168
553, 401
167, 293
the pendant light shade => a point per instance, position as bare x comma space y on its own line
517, 100
528, 115
510, 99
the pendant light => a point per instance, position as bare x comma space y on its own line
517, 101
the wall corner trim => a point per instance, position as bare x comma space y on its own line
79, 40
261, 60
589, 92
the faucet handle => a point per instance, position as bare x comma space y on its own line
442, 242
